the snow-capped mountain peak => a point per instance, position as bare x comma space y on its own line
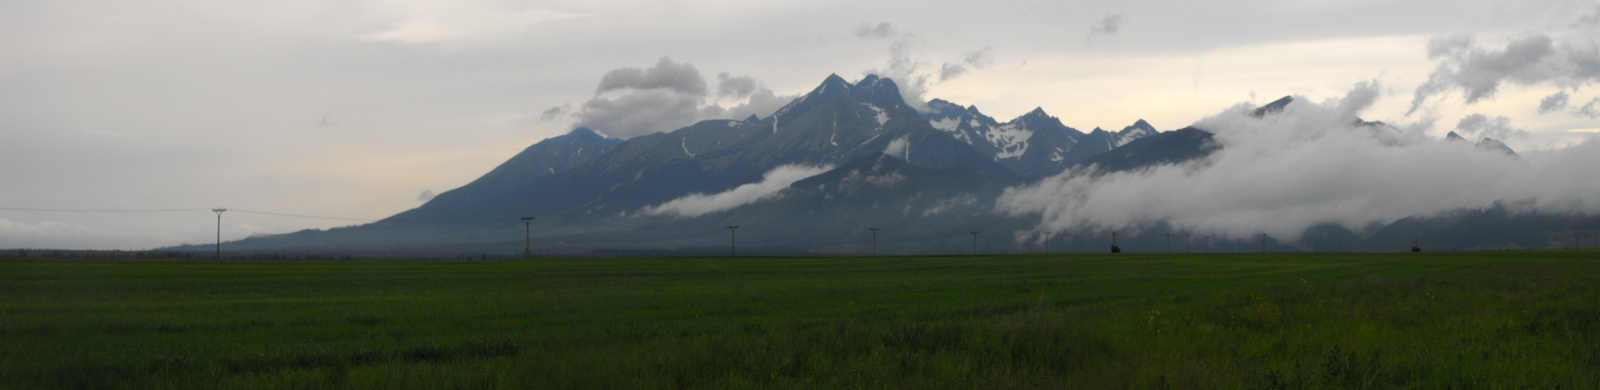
1137, 130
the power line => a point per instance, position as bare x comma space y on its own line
405, 221
100, 210
416, 221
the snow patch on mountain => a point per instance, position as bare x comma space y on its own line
882, 116
1134, 132
1011, 139
900, 147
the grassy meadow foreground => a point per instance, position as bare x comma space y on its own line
1525, 319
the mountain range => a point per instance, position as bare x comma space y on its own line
927, 179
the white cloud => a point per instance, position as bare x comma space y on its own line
694, 205
1590, 109
881, 30
977, 59
1498, 127
1540, 59
436, 21
632, 101
905, 71
1554, 102
1310, 165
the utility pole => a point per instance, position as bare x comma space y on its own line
733, 241
527, 237
974, 242
1046, 242
219, 231
874, 241
1114, 248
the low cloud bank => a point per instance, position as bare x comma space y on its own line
774, 181
1309, 165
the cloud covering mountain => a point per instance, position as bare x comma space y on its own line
1308, 165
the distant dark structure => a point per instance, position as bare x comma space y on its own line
974, 242
219, 231
1416, 245
1114, 248
527, 237
874, 241
733, 241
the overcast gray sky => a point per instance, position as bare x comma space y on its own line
354, 108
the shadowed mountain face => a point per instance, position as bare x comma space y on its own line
548, 157
1276, 106
926, 179
1100, 141
1486, 144
878, 190
1171, 147
833, 123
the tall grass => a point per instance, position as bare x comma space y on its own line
1303, 321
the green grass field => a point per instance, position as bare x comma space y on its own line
1513, 319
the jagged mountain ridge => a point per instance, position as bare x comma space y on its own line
1170, 147
833, 123
1486, 144
1033, 144
934, 182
